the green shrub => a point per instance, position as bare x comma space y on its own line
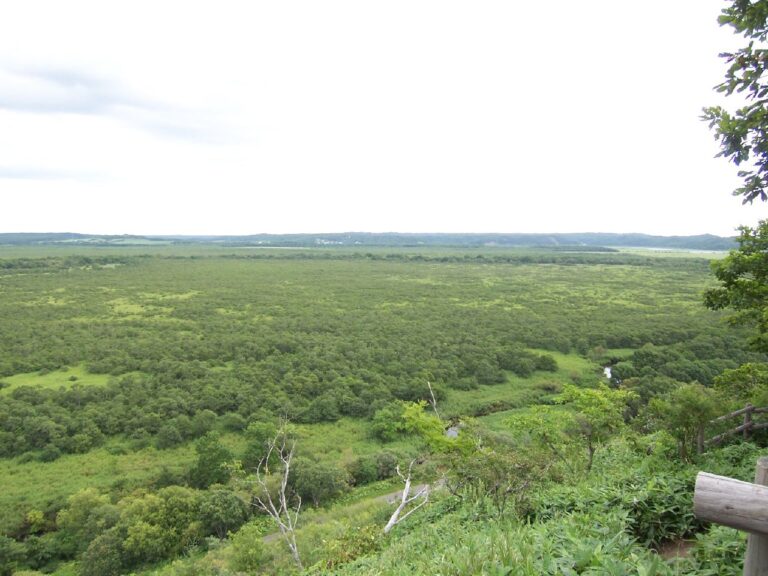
86, 515
212, 457
233, 422
362, 470
355, 541
547, 363
387, 423
658, 507
168, 436
317, 482
222, 511
49, 453
247, 550
685, 412
194, 567
11, 554
42, 551
386, 465
720, 552
104, 556
737, 461
157, 526
580, 543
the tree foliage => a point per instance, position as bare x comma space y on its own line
599, 413
742, 133
747, 383
212, 457
743, 277
317, 482
684, 412
589, 418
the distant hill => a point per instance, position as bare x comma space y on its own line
560, 241
70, 238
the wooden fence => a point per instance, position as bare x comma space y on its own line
740, 505
747, 426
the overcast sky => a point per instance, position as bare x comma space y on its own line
324, 115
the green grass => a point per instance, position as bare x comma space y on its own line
568, 364
516, 391
498, 420
344, 440
63, 378
619, 352
40, 485
66, 569
522, 392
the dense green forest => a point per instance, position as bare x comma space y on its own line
140, 389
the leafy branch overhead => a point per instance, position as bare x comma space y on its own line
742, 133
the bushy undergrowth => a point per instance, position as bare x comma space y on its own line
655, 494
610, 522
578, 543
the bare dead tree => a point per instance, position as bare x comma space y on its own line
275, 502
406, 499
434, 400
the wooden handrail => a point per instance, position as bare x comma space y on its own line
721, 437
746, 427
741, 505
730, 502
739, 412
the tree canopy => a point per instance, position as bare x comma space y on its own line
743, 136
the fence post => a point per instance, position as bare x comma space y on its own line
700, 440
756, 559
748, 421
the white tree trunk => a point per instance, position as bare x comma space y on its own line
281, 512
406, 499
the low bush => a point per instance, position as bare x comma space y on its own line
247, 552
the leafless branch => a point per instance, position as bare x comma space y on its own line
278, 507
406, 498
434, 400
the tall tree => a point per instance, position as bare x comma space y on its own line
743, 136
212, 457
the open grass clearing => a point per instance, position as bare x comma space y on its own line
343, 440
516, 391
66, 377
40, 485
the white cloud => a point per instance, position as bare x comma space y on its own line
248, 117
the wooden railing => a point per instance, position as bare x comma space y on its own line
747, 426
740, 505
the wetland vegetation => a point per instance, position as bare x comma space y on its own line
133, 378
